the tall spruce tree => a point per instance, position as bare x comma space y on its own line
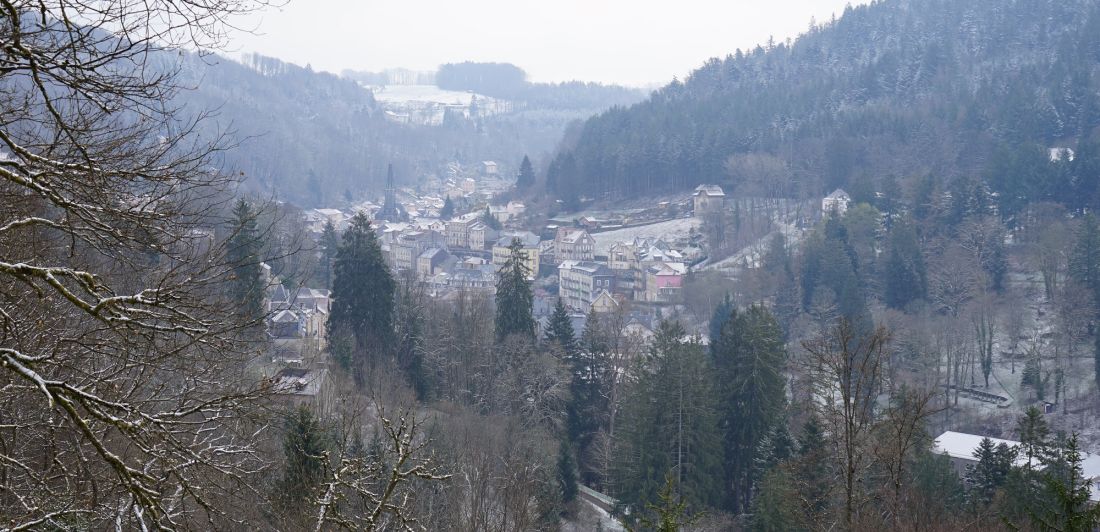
304, 442
246, 279
448, 209
906, 278
1070, 508
670, 423
1084, 267
330, 242
559, 332
526, 177
749, 361
514, 298
362, 296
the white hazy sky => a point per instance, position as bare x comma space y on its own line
635, 42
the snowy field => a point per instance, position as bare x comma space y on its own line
423, 93
667, 230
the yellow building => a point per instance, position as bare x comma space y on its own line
530, 243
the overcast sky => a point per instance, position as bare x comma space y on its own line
635, 42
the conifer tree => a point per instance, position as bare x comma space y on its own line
1072, 510
749, 359
330, 242
1034, 436
246, 282
906, 278
1084, 267
567, 472
560, 332
303, 445
670, 423
526, 177
362, 295
813, 467
490, 220
514, 298
448, 209
991, 472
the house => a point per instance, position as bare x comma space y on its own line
580, 283
622, 256
664, 281
708, 199
961, 448
1062, 154
409, 246
312, 299
287, 323
836, 202
481, 235
530, 243
297, 387
469, 186
574, 245
489, 168
605, 303
458, 230
430, 262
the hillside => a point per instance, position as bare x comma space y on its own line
312, 137
904, 87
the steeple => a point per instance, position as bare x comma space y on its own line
390, 211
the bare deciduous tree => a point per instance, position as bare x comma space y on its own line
121, 376
846, 371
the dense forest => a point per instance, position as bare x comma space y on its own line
509, 82
908, 87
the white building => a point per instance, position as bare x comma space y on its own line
961, 447
708, 199
836, 202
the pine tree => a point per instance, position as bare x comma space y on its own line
669, 422
813, 466
448, 209
559, 331
362, 295
670, 512
991, 472
526, 177
906, 278
1072, 510
776, 507
1084, 267
246, 279
514, 298
490, 220
330, 242
749, 359
1034, 436
567, 472
303, 445
718, 319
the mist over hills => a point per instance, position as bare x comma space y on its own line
313, 137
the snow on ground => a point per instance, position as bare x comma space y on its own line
668, 230
423, 93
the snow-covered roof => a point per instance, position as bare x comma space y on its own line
298, 381
571, 236
838, 194
710, 190
592, 268
963, 445
527, 238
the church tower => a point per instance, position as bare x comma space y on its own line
391, 211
